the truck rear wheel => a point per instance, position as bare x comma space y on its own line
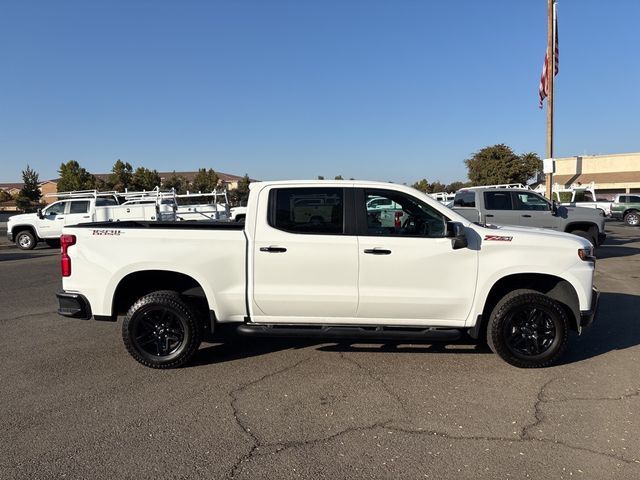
632, 218
528, 329
161, 330
25, 240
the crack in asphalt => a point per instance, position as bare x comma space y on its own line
245, 425
537, 411
525, 435
385, 386
19, 317
624, 396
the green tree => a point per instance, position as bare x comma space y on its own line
204, 181
422, 185
145, 179
437, 186
5, 196
28, 199
338, 177
177, 182
121, 176
74, 177
240, 195
499, 164
320, 177
455, 186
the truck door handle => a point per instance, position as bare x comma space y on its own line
377, 251
489, 215
526, 216
273, 249
87, 216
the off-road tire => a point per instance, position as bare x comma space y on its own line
510, 322
25, 240
157, 319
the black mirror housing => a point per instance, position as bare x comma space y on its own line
554, 207
39, 213
455, 231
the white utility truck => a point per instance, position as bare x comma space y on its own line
311, 261
84, 206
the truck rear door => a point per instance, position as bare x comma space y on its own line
78, 212
498, 208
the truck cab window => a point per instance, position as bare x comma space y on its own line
498, 200
531, 201
79, 207
307, 210
401, 215
55, 209
465, 198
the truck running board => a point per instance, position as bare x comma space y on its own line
350, 333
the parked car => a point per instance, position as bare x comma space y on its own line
514, 206
626, 207
282, 273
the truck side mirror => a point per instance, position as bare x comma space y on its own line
455, 231
39, 213
554, 208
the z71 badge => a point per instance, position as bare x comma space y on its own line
106, 232
497, 238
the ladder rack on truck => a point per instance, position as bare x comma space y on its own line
82, 194
218, 210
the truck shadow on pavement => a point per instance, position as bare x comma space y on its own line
19, 255
235, 347
615, 246
617, 327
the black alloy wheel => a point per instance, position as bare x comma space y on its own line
159, 332
528, 329
162, 330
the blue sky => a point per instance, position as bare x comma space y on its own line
393, 90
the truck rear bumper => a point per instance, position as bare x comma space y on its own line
587, 317
73, 305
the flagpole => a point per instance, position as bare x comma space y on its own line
551, 70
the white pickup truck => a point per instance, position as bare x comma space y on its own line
27, 229
311, 261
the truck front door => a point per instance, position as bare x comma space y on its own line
305, 263
50, 226
409, 274
535, 211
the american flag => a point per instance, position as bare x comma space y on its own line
543, 89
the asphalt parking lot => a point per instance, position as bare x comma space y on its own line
73, 404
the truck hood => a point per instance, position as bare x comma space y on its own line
533, 233
579, 213
23, 217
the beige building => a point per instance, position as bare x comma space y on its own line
616, 173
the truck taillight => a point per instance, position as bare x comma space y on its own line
65, 261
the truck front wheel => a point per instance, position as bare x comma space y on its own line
161, 330
25, 240
528, 329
